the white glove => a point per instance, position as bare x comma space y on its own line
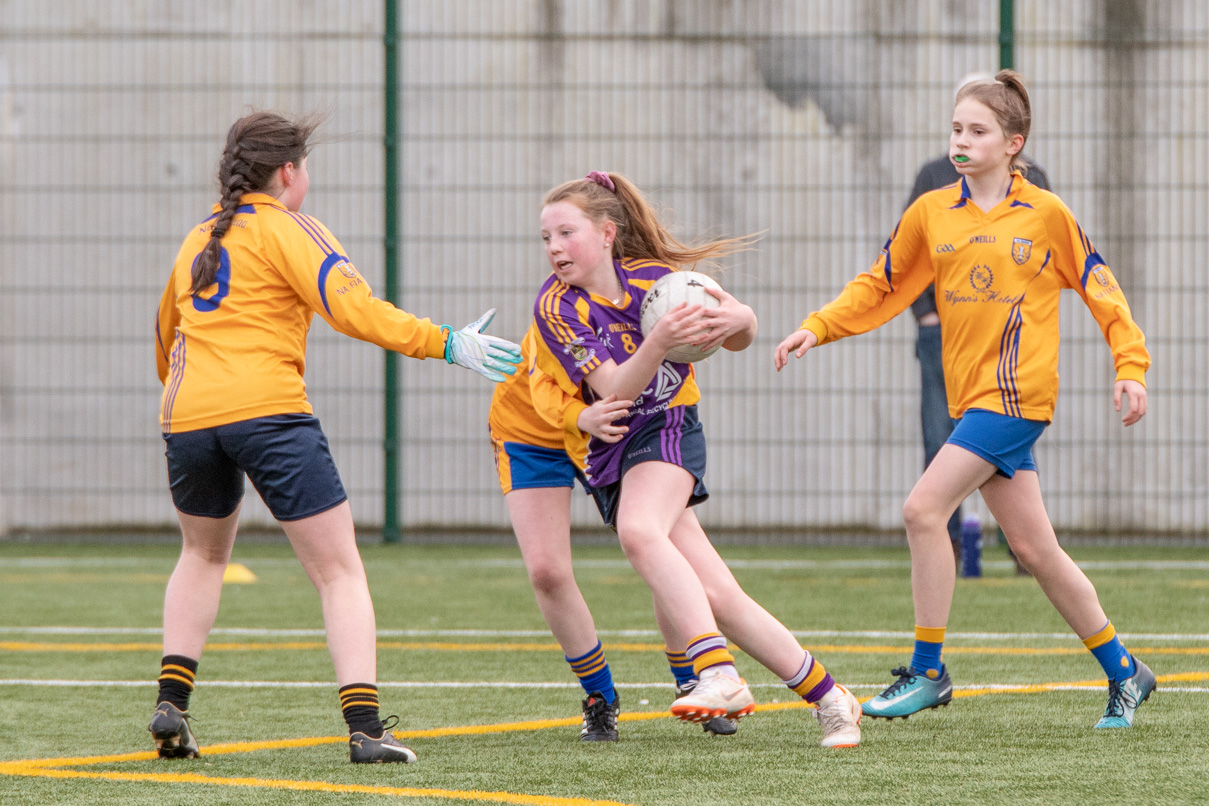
489, 356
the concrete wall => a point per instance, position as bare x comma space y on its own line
802, 120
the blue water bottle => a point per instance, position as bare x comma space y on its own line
971, 546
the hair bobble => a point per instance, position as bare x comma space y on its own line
601, 178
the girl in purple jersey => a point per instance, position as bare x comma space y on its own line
606, 247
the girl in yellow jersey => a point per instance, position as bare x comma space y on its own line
540, 437
999, 250
231, 332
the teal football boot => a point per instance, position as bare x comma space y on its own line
911, 693
1126, 696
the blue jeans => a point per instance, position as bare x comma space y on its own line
934, 405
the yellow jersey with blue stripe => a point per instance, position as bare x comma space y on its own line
998, 275
238, 350
531, 408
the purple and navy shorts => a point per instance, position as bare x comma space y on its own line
675, 437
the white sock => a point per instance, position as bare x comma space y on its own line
829, 697
722, 668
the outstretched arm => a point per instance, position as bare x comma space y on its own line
801, 341
1134, 394
489, 356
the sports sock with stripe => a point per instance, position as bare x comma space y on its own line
925, 660
593, 672
812, 682
177, 674
359, 702
1111, 653
681, 666
708, 651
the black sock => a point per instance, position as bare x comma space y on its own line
176, 680
359, 702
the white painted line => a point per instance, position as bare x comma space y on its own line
457, 684
164, 563
477, 633
774, 565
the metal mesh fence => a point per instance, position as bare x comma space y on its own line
805, 121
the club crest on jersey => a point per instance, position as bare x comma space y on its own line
346, 268
1021, 250
981, 278
579, 352
1103, 275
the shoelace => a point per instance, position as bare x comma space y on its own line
599, 714
685, 689
389, 724
905, 678
1118, 699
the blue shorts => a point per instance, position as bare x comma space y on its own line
1006, 442
286, 457
675, 437
528, 467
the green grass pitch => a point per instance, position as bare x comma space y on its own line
491, 708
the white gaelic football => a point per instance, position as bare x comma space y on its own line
669, 291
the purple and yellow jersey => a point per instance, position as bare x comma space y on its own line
580, 331
998, 276
238, 350
531, 408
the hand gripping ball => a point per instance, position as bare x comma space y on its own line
669, 291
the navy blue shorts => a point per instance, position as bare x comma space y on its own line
1006, 442
675, 437
286, 457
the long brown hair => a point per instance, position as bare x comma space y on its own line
257, 145
639, 232
1007, 98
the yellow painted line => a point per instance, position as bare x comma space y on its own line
1032, 688
75, 578
256, 646
1136, 650
312, 786
1182, 677
1000, 650
54, 767
1090, 684
542, 724
146, 646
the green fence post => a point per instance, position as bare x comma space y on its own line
1007, 34
390, 447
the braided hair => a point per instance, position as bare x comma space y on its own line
257, 145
